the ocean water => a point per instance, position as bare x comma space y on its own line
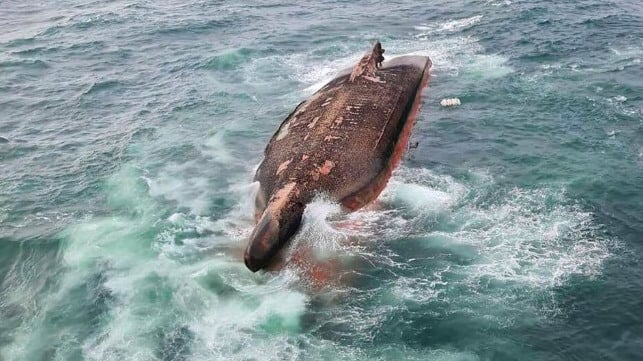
131, 131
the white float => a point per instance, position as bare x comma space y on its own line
450, 102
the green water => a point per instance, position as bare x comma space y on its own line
133, 128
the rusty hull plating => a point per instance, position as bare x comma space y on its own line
345, 141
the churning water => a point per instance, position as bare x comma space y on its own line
131, 131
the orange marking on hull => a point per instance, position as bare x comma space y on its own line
283, 166
279, 199
326, 167
313, 123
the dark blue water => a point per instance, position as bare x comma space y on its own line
130, 131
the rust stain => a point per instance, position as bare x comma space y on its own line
313, 123
279, 199
283, 166
366, 66
374, 79
326, 167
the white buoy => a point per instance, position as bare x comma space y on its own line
450, 102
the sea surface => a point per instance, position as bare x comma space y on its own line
130, 132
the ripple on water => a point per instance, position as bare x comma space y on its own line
133, 203
26, 64
437, 252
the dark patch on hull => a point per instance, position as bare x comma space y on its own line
345, 141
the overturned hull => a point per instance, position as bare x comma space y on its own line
344, 141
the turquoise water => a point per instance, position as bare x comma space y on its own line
131, 131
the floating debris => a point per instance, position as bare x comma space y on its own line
450, 102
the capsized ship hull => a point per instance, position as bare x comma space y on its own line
345, 141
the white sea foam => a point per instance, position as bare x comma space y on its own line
317, 72
616, 59
458, 56
188, 192
423, 192
529, 239
525, 239
487, 66
303, 67
227, 326
498, 2
217, 148
421, 290
451, 54
153, 290
631, 52
620, 99
515, 239
450, 26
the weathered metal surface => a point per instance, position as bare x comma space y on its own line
344, 141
